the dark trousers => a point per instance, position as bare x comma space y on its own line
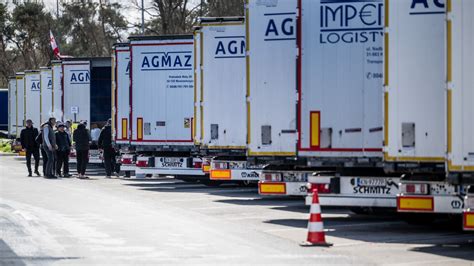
36, 156
45, 160
62, 161
82, 160
109, 160
50, 165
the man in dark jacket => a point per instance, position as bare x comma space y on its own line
105, 144
64, 148
82, 139
28, 142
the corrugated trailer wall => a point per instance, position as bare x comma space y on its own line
460, 64
341, 89
271, 74
415, 82
223, 92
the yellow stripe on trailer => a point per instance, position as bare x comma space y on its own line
468, 221
221, 174
271, 188
415, 204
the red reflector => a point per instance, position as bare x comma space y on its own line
197, 165
320, 188
410, 188
127, 161
142, 163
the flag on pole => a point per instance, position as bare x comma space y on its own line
54, 45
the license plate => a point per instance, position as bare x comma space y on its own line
237, 165
172, 160
94, 153
371, 182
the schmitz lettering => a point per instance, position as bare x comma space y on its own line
156, 61
351, 21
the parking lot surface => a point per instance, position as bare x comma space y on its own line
167, 221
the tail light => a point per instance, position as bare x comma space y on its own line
319, 188
219, 165
142, 163
197, 164
72, 154
274, 177
126, 161
422, 189
206, 167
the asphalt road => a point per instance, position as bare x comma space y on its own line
166, 221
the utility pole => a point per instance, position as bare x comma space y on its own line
143, 17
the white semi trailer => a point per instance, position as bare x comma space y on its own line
332, 137
415, 106
162, 93
460, 111
222, 98
121, 107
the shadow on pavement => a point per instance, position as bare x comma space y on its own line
9, 257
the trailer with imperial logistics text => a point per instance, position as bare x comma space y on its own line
161, 96
20, 102
33, 96
322, 124
57, 80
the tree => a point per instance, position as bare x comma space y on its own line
225, 8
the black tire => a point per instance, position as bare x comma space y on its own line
128, 174
187, 179
247, 183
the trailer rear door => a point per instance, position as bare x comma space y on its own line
12, 107
271, 73
224, 103
122, 93
162, 91
76, 95
415, 82
340, 111
46, 94
460, 68
57, 75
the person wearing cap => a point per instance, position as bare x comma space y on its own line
64, 148
28, 142
105, 144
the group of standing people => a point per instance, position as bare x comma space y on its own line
55, 147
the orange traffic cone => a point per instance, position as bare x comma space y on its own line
316, 236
